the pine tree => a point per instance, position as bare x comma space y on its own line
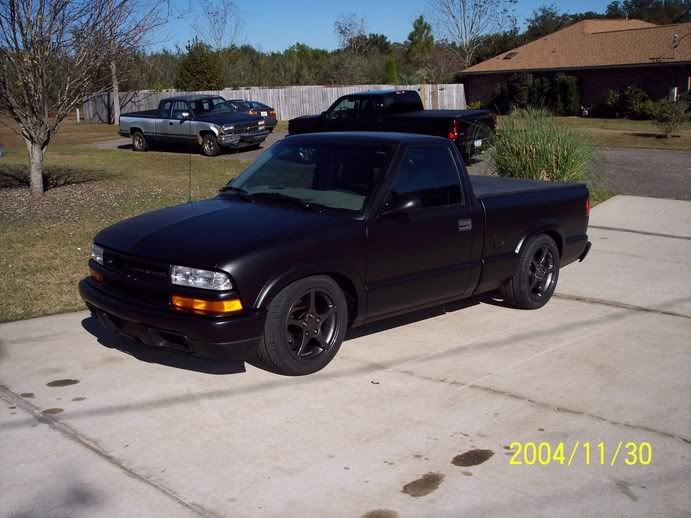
200, 69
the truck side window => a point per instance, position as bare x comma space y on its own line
346, 108
430, 173
164, 111
178, 108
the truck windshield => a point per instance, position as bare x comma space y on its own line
329, 175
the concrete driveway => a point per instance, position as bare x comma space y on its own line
413, 418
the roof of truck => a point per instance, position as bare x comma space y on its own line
365, 137
190, 97
380, 92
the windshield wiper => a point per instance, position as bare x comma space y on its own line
241, 193
314, 207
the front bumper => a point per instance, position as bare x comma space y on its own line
222, 338
240, 140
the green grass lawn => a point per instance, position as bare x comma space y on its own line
45, 241
627, 133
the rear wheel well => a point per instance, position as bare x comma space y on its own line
135, 130
557, 239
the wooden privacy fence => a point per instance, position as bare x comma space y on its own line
289, 102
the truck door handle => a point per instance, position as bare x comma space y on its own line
170, 123
465, 224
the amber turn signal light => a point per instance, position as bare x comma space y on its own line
206, 307
97, 276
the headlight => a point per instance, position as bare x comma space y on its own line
195, 278
96, 253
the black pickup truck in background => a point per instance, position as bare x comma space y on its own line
329, 231
401, 111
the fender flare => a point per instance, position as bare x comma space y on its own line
544, 226
334, 269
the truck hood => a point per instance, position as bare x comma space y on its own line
222, 118
204, 234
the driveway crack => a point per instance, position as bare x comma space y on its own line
73, 435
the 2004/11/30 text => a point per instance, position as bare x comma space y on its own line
630, 453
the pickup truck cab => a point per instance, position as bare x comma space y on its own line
402, 111
324, 232
209, 121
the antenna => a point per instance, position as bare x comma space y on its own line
189, 166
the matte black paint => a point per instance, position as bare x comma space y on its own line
387, 265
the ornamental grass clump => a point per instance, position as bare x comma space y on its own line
534, 145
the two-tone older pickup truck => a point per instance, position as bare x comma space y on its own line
401, 110
209, 121
329, 231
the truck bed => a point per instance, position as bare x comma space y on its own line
490, 186
146, 114
467, 115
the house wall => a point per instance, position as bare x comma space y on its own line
593, 83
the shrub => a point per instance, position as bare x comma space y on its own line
532, 144
475, 105
611, 103
558, 93
568, 99
632, 101
670, 115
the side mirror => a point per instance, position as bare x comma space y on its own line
185, 116
324, 115
403, 204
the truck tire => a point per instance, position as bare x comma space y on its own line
305, 326
139, 142
210, 145
536, 276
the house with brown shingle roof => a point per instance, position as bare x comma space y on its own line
602, 54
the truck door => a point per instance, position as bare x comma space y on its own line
342, 116
425, 255
179, 127
161, 121
370, 112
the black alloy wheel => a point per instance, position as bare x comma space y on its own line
311, 325
535, 279
306, 323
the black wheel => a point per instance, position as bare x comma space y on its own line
305, 326
536, 276
210, 145
139, 142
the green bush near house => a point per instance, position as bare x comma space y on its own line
534, 145
558, 93
669, 116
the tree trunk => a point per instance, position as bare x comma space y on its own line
36, 153
116, 93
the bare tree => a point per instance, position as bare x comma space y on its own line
136, 19
53, 54
222, 23
350, 30
463, 22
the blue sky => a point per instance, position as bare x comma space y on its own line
277, 24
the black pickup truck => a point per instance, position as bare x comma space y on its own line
402, 111
329, 231
207, 120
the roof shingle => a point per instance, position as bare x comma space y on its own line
596, 43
